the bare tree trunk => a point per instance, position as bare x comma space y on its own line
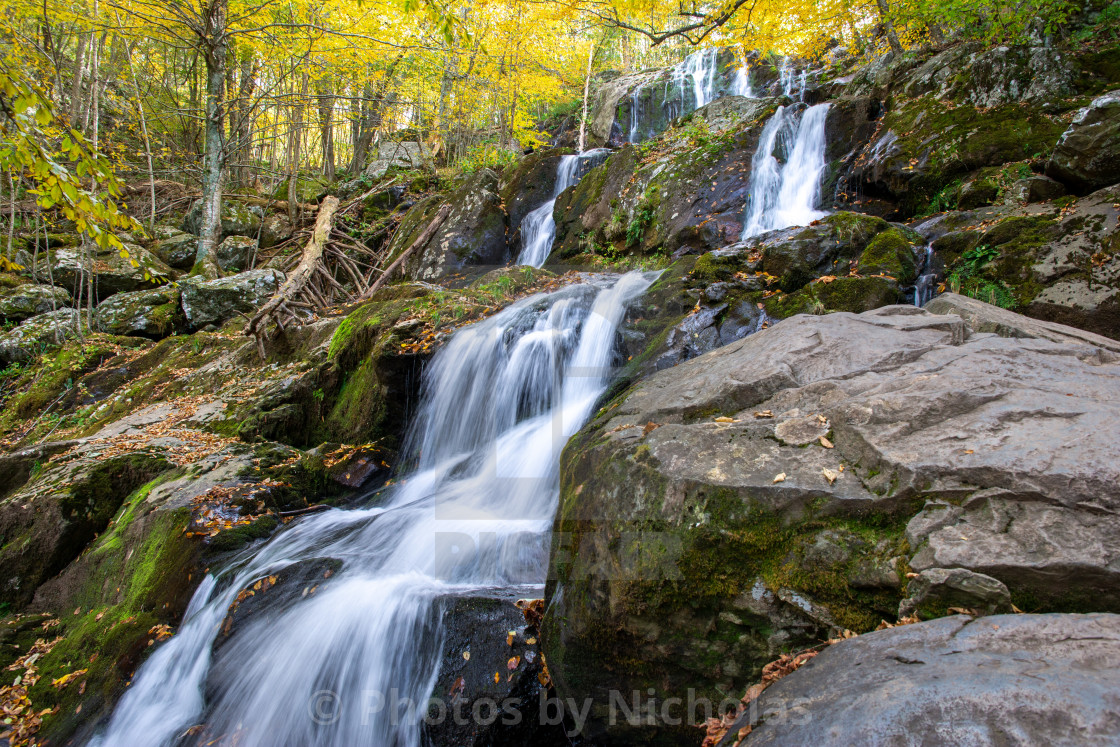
79, 71
586, 91
213, 169
296, 134
326, 129
144, 133
888, 27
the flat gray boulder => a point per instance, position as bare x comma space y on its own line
30, 299
1013, 680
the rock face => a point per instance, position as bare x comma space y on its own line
474, 232
529, 185
779, 487
1088, 155
154, 313
28, 300
215, 301
1010, 679
176, 248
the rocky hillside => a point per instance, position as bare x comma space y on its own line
792, 451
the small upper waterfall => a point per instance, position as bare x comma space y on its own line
698, 72
786, 170
792, 80
538, 228
741, 83
500, 401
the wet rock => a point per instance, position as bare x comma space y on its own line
704, 483
1088, 155
28, 300
155, 313
1045, 679
216, 301
235, 253
934, 590
470, 705
529, 185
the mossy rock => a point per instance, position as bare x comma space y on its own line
890, 253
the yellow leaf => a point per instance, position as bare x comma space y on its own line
780, 477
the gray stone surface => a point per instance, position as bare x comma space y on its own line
154, 313
1088, 155
216, 301
37, 335
1014, 680
28, 300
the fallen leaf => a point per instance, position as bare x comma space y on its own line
764, 414
830, 475
466, 656
497, 678
509, 637
513, 663
780, 477
826, 443
724, 419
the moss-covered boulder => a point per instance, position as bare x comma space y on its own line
176, 248
238, 218
208, 302
38, 335
926, 145
154, 313
1088, 155
474, 232
235, 253
763, 497
26, 300
114, 271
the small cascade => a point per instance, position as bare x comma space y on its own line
925, 287
786, 170
741, 83
538, 228
698, 72
500, 401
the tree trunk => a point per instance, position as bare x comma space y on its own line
586, 91
888, 27
294, 138
213, 162
76, 88
326, 129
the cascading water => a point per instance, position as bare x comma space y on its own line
500, 401
925, 286
538, 228
741, 83
784, 194
792, 80
698, 72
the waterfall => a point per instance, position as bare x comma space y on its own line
499, 403
697, 71
925, 286
784, 194
538, 228
791, 80
741, 83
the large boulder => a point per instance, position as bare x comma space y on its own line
1050, 262
1088, 155
155, 313
235, 253
208, 302
37, 335
1011, 679
777, 490
473, 233
985, 78
114, 271
176, 248
238, 219
406, 155
29, 299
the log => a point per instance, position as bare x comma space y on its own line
297, 279
422, 239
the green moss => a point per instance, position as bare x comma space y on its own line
1000, 268
889, 253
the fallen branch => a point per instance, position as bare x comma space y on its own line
301, 511
422, 239
298, 278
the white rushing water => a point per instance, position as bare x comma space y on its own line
741, 83
698, 73
538, 228
500, 400
786, 170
